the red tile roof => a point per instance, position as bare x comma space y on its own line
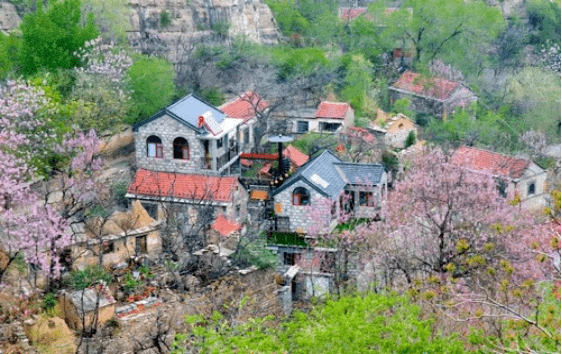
295, 156
184, 186
361, 133
224, 226
491, 162
351, 13
256, 156
243, 107
332, 110
433, 87
265, 169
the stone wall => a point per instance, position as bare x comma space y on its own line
300, 215
167, 129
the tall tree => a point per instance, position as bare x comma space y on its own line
52, 39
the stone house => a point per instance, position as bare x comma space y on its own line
515, 175
323, 187
435, 96
329, 117
188, 154
189, 136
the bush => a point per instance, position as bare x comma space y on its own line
213, 95
165, 19
49, 302
131, 284
410, 139
82, 279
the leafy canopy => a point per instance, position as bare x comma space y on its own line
52, 39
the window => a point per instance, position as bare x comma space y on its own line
531, 188
140, 244
330, 127
247, 136
154, 147
289, 258
181, 149
366, 199
301, 196
220, 143
108, 247
347, 201
302, 127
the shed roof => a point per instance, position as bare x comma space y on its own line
295, 155
362, 174
224, 226
85, 300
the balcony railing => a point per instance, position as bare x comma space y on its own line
227, 156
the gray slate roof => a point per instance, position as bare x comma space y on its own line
329, 176
187, 111
361, 173
90, 298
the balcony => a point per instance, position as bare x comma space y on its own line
227, 157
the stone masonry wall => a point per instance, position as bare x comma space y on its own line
167, 129
300, 215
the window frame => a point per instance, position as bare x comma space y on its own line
301, 123
185, 151
297, 197
531, 185
366, 199
158, 147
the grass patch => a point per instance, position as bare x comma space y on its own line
289, 239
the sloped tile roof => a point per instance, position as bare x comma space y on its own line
183, 186
361, 174
351, 13
295, 156
328, 109
245, 162
436, 88
224, 226
490, 162
243, 106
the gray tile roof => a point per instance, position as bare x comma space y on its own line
329, 176
361, 173
187, 111
191, 107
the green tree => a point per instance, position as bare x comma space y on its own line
9, 49
452, 30
152, 83
358, 82
52, 39
288, 17
544, 18
112, 17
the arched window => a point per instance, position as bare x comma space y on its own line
181, 149
301, 196
154, 147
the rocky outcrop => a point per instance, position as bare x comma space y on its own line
163, 25
9, 18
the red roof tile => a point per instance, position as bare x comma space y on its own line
224, 226
351, 13
184, 186
243, 107
433, 87
361, 133
265, 169
332, 110
491, 162
256, 156
295, 156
